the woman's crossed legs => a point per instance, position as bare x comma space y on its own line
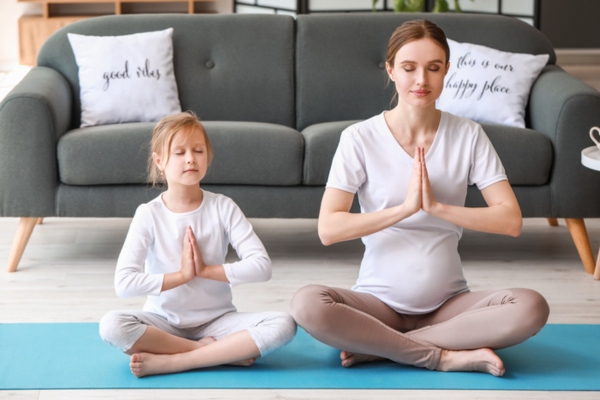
459, 336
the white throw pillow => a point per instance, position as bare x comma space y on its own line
488, 85
126, 78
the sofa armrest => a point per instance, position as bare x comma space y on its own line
32, 118
564, 109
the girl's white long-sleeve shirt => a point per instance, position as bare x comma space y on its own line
154, 247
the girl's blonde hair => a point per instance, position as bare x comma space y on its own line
187, 123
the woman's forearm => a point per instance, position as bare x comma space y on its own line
504, 218
339, 226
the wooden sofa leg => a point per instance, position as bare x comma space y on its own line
582, 242
40, 221
552, 221
22, 236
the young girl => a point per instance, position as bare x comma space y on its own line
411, 167
174, 253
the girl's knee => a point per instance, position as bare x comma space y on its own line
288, 327
109, 326
115, 329
275, 331
282, 323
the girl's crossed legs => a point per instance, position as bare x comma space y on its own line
156, 347
458, 336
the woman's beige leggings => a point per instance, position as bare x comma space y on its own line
361, 323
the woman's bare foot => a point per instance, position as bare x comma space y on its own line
482, 360
143, 364
349, 359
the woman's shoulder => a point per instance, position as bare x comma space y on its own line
366, 128
456, 121
456, 126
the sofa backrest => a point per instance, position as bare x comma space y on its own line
340, 60
227, 67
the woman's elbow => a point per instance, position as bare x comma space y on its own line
326, 234
516, 227
325, 240
325, 237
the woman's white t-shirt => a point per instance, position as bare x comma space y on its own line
154, 247
414, 265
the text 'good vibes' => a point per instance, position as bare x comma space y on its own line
140, 72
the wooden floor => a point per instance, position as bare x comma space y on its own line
66, 274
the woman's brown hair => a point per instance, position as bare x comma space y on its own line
415, 30
187, 123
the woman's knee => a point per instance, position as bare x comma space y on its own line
537, 308
533, 312
307, 305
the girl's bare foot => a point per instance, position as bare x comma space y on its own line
244, 363
143, 364
482, 360
206, 340
349, 359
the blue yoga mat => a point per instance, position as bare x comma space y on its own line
72, 356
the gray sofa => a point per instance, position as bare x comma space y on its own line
274, 94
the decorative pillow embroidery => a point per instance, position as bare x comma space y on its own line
127, 78
488, 85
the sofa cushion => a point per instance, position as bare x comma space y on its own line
321, 141
245, 153
228, 67
488, 85
526, 154
136, 83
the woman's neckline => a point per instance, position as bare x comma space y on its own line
405, 155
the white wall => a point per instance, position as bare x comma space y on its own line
10, 12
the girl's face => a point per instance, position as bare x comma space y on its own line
418, 72
187, 161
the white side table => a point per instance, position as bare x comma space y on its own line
590, 157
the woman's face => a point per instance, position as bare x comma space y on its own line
418, 72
